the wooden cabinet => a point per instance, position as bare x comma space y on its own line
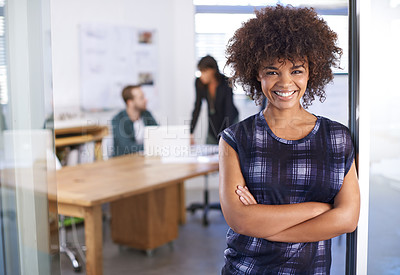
146, 221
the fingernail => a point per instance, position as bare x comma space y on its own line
240, 187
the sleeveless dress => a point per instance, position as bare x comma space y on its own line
279, 171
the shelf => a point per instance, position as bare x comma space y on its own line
59, 142
79, 135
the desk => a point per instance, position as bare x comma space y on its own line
82, 189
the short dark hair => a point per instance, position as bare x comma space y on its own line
127, 92
284, 32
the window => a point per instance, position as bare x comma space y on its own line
3, 73
212, 38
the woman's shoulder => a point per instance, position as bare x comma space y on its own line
239, 135
333, 124
224, 81
200, 87
334, 128
245, 126
339, 137
224, 78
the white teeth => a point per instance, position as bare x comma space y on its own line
284, 94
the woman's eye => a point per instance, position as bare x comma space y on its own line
270, 73
297, 72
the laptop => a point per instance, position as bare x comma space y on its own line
167, 141
172, 143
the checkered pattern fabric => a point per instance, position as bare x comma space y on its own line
279, 171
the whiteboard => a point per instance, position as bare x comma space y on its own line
112, 57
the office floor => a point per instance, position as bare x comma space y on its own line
198, 249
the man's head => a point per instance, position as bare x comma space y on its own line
134, 97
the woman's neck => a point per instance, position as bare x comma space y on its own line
289, 118
291, 124
213, 82
283, 117
212, 87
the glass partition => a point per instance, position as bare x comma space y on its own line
29, 221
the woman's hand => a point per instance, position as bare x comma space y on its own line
245, 196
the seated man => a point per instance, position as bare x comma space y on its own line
128, 125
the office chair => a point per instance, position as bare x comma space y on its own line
65, 248
206, 206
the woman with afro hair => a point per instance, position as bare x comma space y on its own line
288, 182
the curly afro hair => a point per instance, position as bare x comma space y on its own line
284, 33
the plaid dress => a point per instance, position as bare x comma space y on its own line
279, 171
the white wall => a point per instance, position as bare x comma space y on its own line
174, 22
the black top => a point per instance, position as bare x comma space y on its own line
221, 111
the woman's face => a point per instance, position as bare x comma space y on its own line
207, 75
284, 83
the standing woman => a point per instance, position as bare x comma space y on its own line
214, 88
288, 182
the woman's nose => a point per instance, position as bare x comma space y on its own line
285, 80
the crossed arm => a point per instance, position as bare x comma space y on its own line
302, 222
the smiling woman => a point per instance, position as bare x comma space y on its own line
288, 182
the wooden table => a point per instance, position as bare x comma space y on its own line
82, 189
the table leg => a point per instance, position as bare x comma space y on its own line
181, 203
94, 240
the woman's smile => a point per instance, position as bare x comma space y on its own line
285, 94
